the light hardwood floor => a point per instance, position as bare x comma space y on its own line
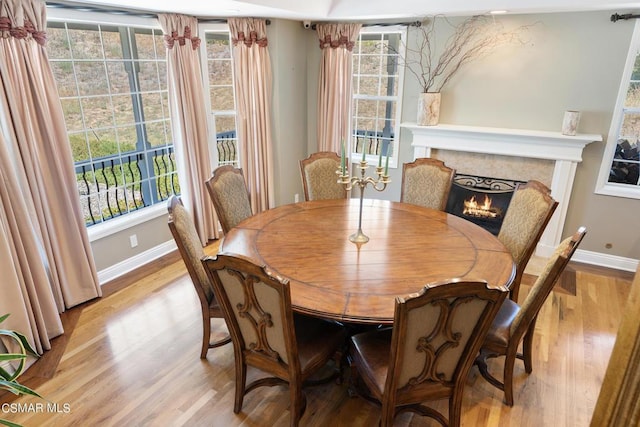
132, 358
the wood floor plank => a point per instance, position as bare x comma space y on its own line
132, 358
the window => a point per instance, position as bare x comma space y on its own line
377, 86
619, 173
112, 84
218, 80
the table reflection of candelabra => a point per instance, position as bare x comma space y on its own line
350, 182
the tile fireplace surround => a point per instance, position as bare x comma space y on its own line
549, 157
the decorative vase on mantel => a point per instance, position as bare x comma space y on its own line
428, 108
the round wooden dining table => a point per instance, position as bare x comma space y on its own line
332, 278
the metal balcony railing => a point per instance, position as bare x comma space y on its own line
371, 141
113, 186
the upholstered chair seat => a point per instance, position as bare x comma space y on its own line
515, 324
426, 182
319, 178
230, 197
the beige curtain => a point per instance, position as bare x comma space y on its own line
253, 85
619, 400
189, 119
335, 86
25, 287
44, 234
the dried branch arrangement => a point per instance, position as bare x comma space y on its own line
471, 39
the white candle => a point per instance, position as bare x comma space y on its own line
386, 166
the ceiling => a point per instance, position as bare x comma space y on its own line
359, 10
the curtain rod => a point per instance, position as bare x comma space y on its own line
384, 24
138, 14
616, 17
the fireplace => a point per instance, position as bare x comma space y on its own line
481, 200
517, 153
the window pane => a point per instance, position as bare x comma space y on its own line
145, 44
220, 72
148, 76
65, 78
225, 124
72, 114
370, 65
218, 46
161, 50
367, 108
369, 86
127, 138
58, 43
162, 74
118, 77
152, 104
630, 126
97, 112
167, 132
112, 45
91, 77
624, 172
370, 46
222, 98
79, 146
633, 95
155, 133
102, 143
123, 110
85, 42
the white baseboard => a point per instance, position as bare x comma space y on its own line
604, 260
594, 258
136, 261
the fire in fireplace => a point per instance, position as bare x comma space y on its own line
481, 200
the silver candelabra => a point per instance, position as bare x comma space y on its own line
362, 181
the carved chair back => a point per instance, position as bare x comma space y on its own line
435, 338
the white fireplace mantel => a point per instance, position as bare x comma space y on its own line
565, 151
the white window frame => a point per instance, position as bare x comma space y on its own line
373, 159
603, 186
57, 14
203, 29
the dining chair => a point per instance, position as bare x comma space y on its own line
527, 216
265, 332
184, 233
427, 354
319, 179
516, 323
426, 182
230, 196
